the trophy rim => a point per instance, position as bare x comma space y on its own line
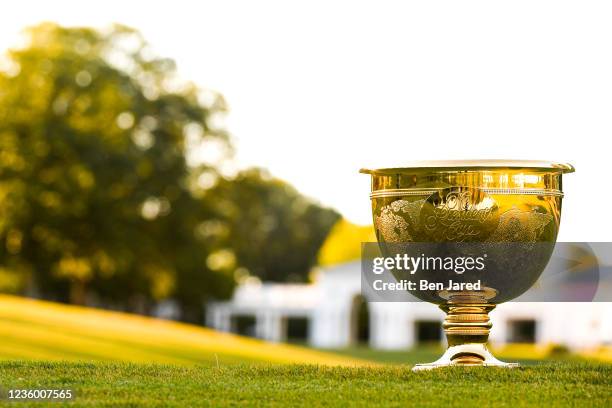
472, 165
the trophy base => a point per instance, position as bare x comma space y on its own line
465, 355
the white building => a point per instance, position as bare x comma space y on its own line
328, 314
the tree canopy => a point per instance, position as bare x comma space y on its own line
275, 231
109, 187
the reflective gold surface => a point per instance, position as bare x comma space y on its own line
478, 202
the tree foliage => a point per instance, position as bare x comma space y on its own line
105, 192
275, 231
93, 135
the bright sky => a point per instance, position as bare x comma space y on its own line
319, 89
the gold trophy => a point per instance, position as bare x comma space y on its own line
511, 208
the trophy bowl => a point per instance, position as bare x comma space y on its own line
509, 210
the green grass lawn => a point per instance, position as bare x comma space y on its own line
524, 354
128, 384
45, 331
416, 355
106, 358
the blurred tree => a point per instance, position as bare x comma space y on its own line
109, 187
276, 232
97, 140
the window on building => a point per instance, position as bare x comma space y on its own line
428, 331
360, 321
297, 329
522, 331
244, 325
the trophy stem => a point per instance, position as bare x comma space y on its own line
467, 323
467, 327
